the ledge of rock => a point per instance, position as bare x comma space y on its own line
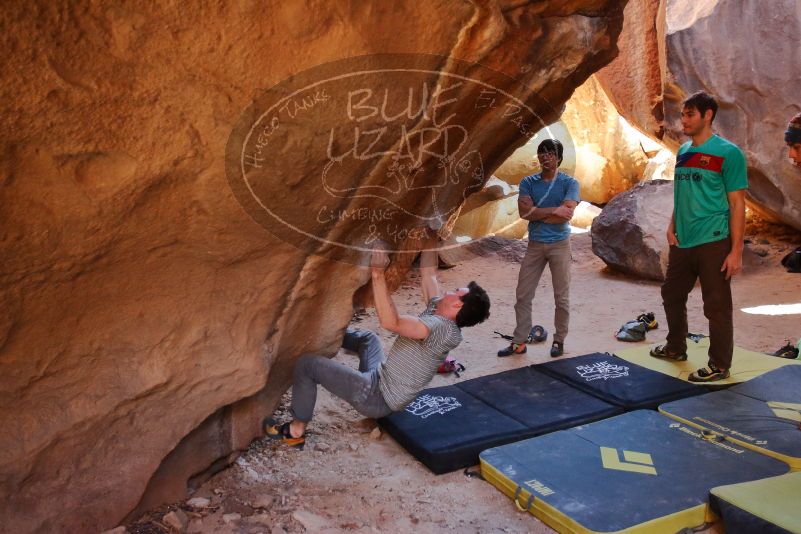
151, 318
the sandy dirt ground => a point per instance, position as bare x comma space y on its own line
349, 479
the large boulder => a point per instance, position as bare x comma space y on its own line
755, 80
756, 86
151, 313
630, 233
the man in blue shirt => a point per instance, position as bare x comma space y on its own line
547, 201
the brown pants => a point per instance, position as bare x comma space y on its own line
685, 266
557, 256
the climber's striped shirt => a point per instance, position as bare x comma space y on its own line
412, 363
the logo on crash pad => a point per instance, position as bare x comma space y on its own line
378, 149
427, 405
633, 462
601, 370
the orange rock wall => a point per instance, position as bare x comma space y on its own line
139, 299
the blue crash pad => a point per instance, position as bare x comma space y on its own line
620, 382
763, 414
637, 472
768, 506
446, 428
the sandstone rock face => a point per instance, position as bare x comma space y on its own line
604, 153
756, 86
491, 211
661, 166
609, 153
635, 79
584, 214
149, 322
629, 234
712, 46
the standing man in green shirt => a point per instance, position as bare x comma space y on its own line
705, 235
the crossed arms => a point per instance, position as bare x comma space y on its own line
557, 215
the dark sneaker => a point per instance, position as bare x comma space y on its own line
710, 373
557, 349
787, 351
280, 432
661, 351
514, 348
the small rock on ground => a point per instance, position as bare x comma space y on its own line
263, 501
230, 518
311, 522
177, 519
198, 502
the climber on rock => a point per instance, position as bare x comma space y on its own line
385, 384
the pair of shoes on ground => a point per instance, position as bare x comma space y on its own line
557, 349
280, 432
710, 373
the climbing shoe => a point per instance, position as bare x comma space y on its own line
451, 365
557, 349
787, 351
649, 320
661, 351
281, 433
710, 373
514, 348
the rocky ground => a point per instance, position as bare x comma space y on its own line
352, 478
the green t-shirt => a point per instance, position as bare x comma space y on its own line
704, 175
